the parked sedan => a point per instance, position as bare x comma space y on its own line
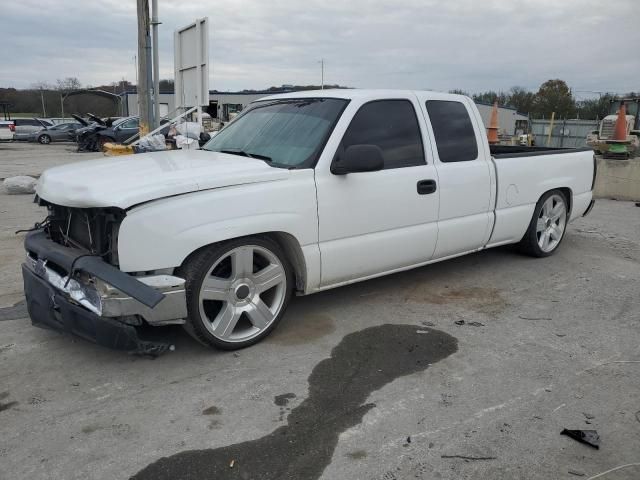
63, 132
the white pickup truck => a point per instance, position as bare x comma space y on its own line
300, 193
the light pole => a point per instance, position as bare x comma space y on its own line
44, 111
156, 66
144, 68
321, 73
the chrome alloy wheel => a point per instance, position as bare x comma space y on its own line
551, 223
242, 293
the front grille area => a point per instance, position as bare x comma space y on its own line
94, 230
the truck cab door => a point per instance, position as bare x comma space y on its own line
467, 186
375, 222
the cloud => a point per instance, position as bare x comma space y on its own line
467, 44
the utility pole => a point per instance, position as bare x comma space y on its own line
144, 67
322, 74
156, 66
44, 111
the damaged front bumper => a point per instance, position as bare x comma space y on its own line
99, 302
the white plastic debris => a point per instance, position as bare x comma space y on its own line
153, 143
189, 129
185, 143
22, 184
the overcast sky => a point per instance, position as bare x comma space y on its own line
431, 44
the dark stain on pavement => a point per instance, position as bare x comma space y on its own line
360, 364
212, 410
301, 329
479, 299
283, 400
357, 455
8, 405
19, 310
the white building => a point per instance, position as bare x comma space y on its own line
509, 119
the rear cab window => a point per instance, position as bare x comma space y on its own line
453, 131
392, 125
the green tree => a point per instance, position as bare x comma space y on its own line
554, 96
594, 108
490, 97
521, 99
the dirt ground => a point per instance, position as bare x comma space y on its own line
465, 369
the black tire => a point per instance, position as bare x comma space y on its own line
44, 139
195, 270
529, 244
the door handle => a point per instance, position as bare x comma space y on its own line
426, 187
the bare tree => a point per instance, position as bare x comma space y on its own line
66, 86
42, 86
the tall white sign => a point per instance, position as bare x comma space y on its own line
191, 64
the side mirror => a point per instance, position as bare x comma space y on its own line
358, 158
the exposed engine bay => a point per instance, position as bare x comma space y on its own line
94, 230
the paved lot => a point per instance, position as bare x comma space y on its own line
370, 381
25, 158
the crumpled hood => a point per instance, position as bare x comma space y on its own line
133, 179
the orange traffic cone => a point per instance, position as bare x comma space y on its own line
492, 131
620, 131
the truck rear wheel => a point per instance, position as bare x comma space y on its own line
237, 292
547, 227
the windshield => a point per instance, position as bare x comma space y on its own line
286, 133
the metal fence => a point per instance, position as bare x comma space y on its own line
565, 133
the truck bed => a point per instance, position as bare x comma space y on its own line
514, 151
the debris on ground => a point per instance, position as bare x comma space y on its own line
588, 437
534, 318
466, 457
473, 324
20, 185
428, 324
577, 473
588, 416
615, 469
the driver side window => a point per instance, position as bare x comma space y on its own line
132, 123
391, 125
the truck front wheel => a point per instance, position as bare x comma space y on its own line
237, 291
547, 227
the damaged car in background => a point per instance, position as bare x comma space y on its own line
88, 136
301, 193
122, 130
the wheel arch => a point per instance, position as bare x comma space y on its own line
287, 242
568, 196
